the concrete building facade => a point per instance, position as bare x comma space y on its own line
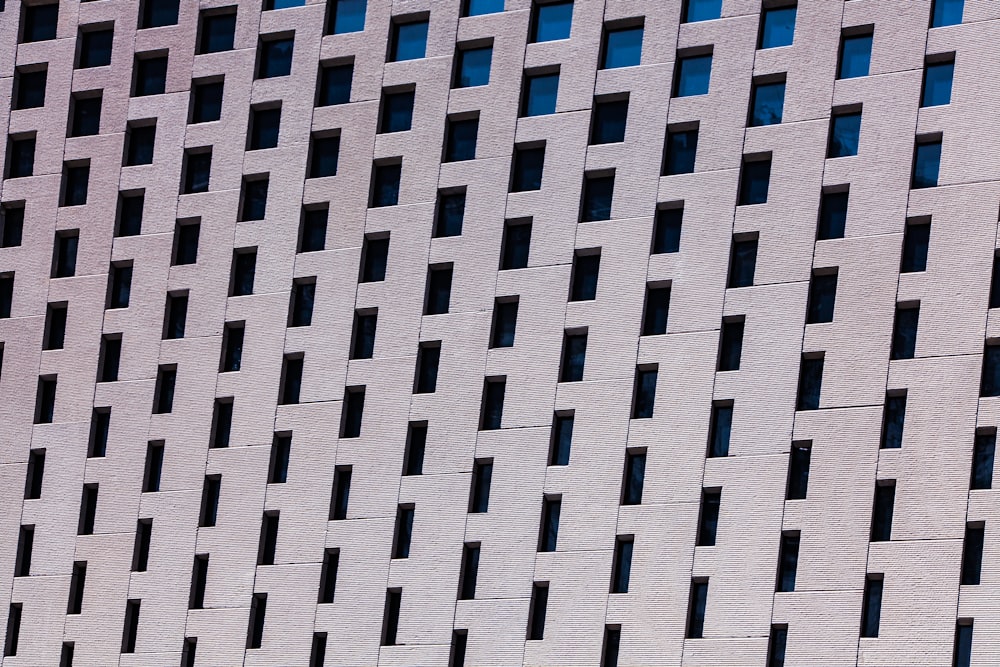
499, 332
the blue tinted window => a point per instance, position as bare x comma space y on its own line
702, 10
397, 112
693, 75
622, 48
282, 4
767, 104
855, 57
937, 84
348, 16
275, 58
409, 41
926, 165
473, 67
946, 12
681, 149
335, 85
461, 141
754, 183
552, 21
845, 133
478, 7
540, 94
777, 27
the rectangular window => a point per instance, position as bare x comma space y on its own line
312, 230
54, 337
216, 31
131, 629
548, 536
140, 550
76, 585
64, 257
788, 562
667, 229
916, 239
855, 55
374, 259
504, 322
150, 74
390, 616
119, 286
253, 198
608, 121
353, 412
537, 610
990, 383
832, 215
893, 418
692, 75
516, 244
45, 399
110, 358
472, 66
199, 579
612, 644
22, 558
526, 170
11, 225
656, 311
14, 613
277, 469
345, 16
469, 572
428, 364
904, 332
341, 493
767, 102
403, 533
598, 192
845, 134
561, 438
35, 474
871, 607
328, 576
742, 262
268, 544
478, 8
255, 627
210, 501
680, 151
583, 282
719, 430
731, 344
634, 477
696, 609
129, 218
947, 12
622, 47
810, 381
100, 425
188, 652
397, 112
822, 297
416, 447
938, 76
197, 170
301, 301
274, 56
482, 479
232, 347
334, 84
701, 10
574, 355
153, 470
166, 382
186, 235
20, 156
644, 392
140, 141
777, 27
363, 337
38, 24
551, 21
439, 280
385, 184
983, 454
708, 520
75, 183
972, 554
459, 638
460, 139
222, 422
798, 471
926, 163
265, 124
85, 114
621, 566
29, 87
776, 646
206, 101
408, 40
450, 214
885, 496
963, 644
539, 93
755, 179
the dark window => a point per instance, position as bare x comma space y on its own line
656, 311
129, 218
416, 446
385, 184
972, 554
244, 270
482, 478
334, 84
469, 572
551, 21
197, 171
644, 393
45, 401
904, 332
491, 413
607, 124
788, 563
871, 607
731, 345
679, 156
612, 644
708, 520
291, 380
253, 198
29, 88
845, 134
301, 302
341, 493
777, 27
428, 363
131, 627
268, 544
450, 214
110, 358
345, 16
186, 243
150, 75
696, 609
822, 298
216, 31
963, 644
742, 263
536, 613
472, 66
312, 229
222, 422
574, 355
767, 101
403, 533
353, 407
549, 533
634, 478
324, 154
832, 215
926, 164
408, 40
539, 94
264, 127
255, 626
692, 75
937, 83
119, 286
776, 646
21, 156
158, 13
88, 510
667, 230
438, 290
206, 101
35, 474
526, 172
210, 501
947, 12
199, 579
701, 10
885, 496
561, 439
719, 430
140, 141
990, 383
983, 453
583, 282
855, 56
622, 47
76, 178
597, 195
281, 450
6, 295
11, 226
390, 616
328, 576
94, 48
755, 180
504, 322
798, 471
516, 245
85, 115
621, 566
64, 261
916, 238
166, 382
397, 112
100, 425
477, 8
55, 326
363, 338
38, 23
22, 558
460, 141
76, 585
189, 652
459, 639
810, 382
893, 418
274, 57
13, 621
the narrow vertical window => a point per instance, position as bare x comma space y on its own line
731, 344
656, 311
45, 399
281, 449
822, 297
871, 606
459, 644
428, 364
926, 162
708, 520
612, 645
516, 244
439, 279
904, 331
449, 215
583, 281
210, 492
312, 229
140, 550
548, 536
185, 249
983, 454
680, 151
268, 544
243, 272
832, 215
64, 259
291, 379
885, 497
390, 616
13, 628
634, 477
317, 654
798, 471
537, 610
363, 336
938, 76
916, 240
188, 652
403, 533
222, 422
175, 318
742, 262
416, 445
482, 479
504, 323
972, 554
301, 303
385, 184
197, 170
667, 230
374, 259
469, 572
755, 180
109, 359
893, 419
255, 627
788, 562
341, 494
561, 439
810, 382
328, 576
719, 430
163, 395
6, 294
353, 411
491, 413
35, 474
11, 225
154, 467
574, 355
963, 644
845, 134
88, 510
25, 544
199, 579
621, 565
526, 168
100, 426
77, 582
644, 392
776, 646
697, 602
253, 198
